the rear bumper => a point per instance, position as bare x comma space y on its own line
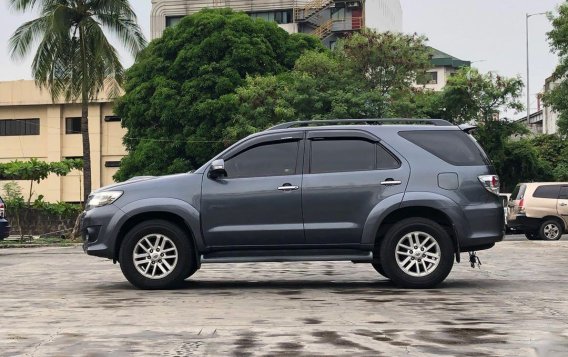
480, 226
524, 223
4, 228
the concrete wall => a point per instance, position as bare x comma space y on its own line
384, 15
23, 100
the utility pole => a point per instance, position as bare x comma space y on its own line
528, 16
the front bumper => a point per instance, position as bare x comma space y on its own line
99, 229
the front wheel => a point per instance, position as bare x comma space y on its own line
156, 254
417, 253
379, 269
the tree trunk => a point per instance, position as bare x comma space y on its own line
86, 148
85, 120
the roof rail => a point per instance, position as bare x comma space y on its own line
436, 122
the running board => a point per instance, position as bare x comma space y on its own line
363, 257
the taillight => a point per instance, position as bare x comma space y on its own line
522, 205
1, 210
490, 182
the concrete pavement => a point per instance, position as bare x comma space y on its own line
60, 302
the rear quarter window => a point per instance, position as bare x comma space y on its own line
453, 146
518, 192
549, 191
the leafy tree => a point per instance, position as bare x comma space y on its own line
369, 75
33, 171
470, 96
74, 58
387, 61
180, 92
553, 149
558, 39
37, 171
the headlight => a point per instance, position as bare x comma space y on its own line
102, 199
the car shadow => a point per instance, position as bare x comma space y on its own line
346, 287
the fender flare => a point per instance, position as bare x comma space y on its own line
414, 199
188, 213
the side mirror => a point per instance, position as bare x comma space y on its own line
217, 169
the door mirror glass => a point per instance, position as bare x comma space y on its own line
217, 169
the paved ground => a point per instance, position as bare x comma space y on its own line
59, 302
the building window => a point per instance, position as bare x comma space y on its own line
73, 125
173, 20
17, 127
429, 78
280, 17
112, 163
112, 118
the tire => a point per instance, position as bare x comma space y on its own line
157, 270
531, 236
550, 229
413, 275
379, 268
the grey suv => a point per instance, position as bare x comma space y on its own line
405, 197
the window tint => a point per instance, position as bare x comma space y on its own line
563, 193
550, 191
453, 146
518, 192
274, 159
342, 156
385, 160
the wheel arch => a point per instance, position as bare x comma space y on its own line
180, 213
554, 218
437, 208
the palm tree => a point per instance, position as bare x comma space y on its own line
74, 58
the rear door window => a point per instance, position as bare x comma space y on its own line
548, 191
563, 193
518, 192
453, 146
343, 155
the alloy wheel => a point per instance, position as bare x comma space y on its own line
155, 256
417, 254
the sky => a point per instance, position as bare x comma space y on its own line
490, 33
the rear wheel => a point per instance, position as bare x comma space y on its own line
156, 254
417, 253
550, 229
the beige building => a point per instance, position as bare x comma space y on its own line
326, 19
33, 126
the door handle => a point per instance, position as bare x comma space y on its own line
390, 182
288, 187
563, 204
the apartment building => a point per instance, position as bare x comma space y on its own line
33, 126
327, 19
443, 67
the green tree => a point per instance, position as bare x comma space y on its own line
180, 92
553, 149
74, 58
558, 38
470, 96
386, 61
32, 171
369, 75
